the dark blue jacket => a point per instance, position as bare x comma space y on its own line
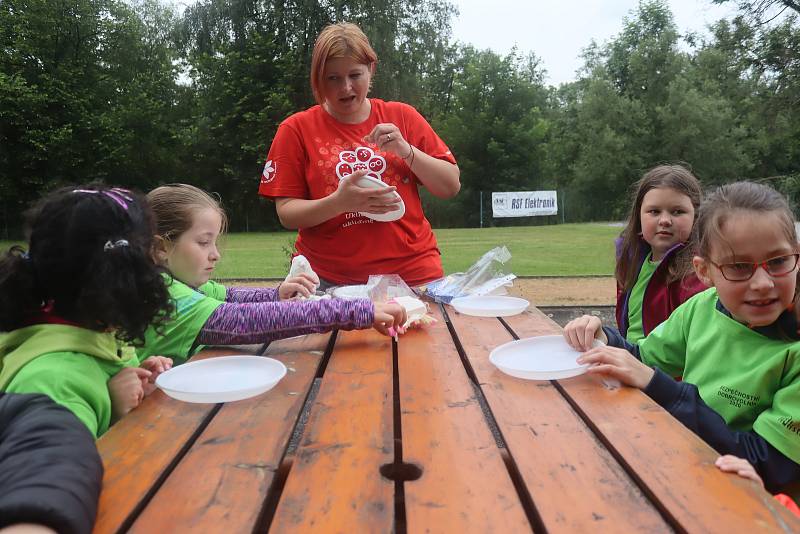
50, 471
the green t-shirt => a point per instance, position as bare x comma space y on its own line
636, 300
215, 290
751, 380
193, 307
71, 365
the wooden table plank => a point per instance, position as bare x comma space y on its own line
657, 447
334, 484
138, 450
575, 484
465, 486
222, 483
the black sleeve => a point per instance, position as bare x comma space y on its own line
683, 401
615, 339
50, 470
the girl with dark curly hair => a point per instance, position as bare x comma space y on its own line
75, 302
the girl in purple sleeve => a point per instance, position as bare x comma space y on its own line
188, 222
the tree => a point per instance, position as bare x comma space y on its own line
87, 92
757, 68
495, 127
706, 131
597, 147
763, 10
645, 56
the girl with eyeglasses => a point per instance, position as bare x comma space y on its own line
734, 344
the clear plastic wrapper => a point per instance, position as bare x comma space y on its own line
379, 288
488, 276
384, 287
390, 288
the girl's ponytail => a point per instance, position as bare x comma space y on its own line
127, 287
18, 288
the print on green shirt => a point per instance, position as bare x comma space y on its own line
751, 380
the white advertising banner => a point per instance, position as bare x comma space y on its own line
524, 203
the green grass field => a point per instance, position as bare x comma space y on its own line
558, 250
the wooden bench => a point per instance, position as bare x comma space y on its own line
424, 435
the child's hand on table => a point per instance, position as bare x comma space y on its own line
619, 364
389, 316
302, 285
126, 390
156, 365
580, 333
740, 466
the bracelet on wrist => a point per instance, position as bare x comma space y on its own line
410, 153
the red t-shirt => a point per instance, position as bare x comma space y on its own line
310, 152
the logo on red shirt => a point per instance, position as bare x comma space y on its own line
362, 158
268, 174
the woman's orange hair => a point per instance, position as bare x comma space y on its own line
339, 40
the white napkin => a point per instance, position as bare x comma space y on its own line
300, 266
415, 309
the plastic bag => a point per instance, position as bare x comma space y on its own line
392, 288
384, 287
488, 275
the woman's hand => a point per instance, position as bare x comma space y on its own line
440, 177
389, 139
156, 365
619, 364
388, 316
351, 197
302, 285
580, 333
126, 390
740, 466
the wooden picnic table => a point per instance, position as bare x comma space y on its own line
424, 435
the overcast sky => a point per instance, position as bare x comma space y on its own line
557, 31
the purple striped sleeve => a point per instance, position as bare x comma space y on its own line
261, 322
251, 294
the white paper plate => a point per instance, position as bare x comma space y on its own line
223, 379
362, 292
351, 292
374, 183
490, 306
539, 358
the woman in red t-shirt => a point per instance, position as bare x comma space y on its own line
318, 154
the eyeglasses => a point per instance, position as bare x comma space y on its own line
741, 271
